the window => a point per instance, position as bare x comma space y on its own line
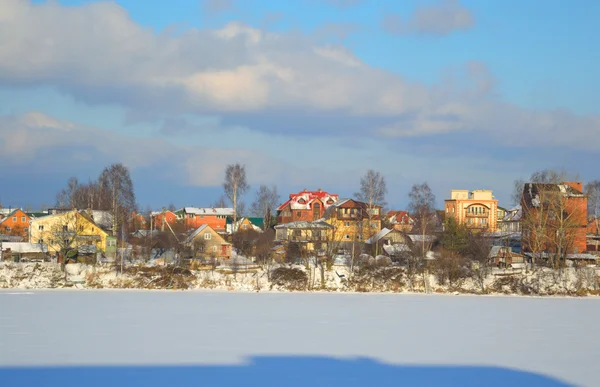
207, 235
7, 228
347, 236
214, 249
66, 241
14, 219
244, 226
40, 241
347, 224
23, 219
65, 228
81, 228
298, 214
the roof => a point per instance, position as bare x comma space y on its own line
513, 215
207, 211
25, 247
419, 238
10, 214
203, 227
375, 238
302, 224
304, 199
399, 217
531, 192
396, 248
257, 221
10, 238
104, 219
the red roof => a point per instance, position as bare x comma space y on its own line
306, 197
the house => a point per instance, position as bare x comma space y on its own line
511, 221
216, 218
16, 223
23, 251
400, 220
559, 211
477, 209
503, 256
69, 230
310, 236
138, 222
393, 242
305, 206
160, 219
206, 242
350, 219
245, 223
104, 219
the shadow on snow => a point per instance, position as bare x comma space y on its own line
261, 371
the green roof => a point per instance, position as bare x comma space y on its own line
258, 222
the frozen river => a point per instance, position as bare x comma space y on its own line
151, 338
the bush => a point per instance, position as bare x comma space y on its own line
378, 278
289, 278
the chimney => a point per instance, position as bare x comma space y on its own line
575, 185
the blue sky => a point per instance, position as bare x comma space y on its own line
307, 94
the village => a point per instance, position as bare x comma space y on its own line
473, 236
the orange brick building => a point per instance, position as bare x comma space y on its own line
562, 208
166, 217
15, 223
216, 218
306, 206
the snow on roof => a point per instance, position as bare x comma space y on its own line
104, 219
396, 249
196, 232
208, 211
303, 224
304, 199
375, 238
419, 238
25, 247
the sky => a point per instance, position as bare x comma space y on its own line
304, 93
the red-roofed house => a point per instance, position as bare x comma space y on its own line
400, 220
306, 206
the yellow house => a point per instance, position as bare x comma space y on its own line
67, 230
350, 219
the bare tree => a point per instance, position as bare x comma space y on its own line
372, 192
517, 191
265, 204
118, 194
422, 209
220, 203
478, 251
592, 190
235, 185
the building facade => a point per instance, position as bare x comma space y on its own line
216, 218
15, 223
478, 209
305, 206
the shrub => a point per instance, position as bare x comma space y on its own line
289, 278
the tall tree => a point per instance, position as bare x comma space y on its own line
235, 185
372, 192
265, 204
592, 190
117, 194
422, 209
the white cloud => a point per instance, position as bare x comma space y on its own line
267, 81
441, 18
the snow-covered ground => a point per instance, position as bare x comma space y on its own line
77, 337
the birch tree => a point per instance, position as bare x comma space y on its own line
118, 195
372, 192
422, 209
235, 185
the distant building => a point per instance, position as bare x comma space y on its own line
15, 223
216, 218
478, 209
400, 220
556, 210
305, 206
